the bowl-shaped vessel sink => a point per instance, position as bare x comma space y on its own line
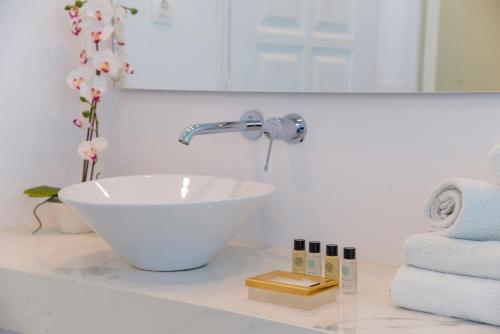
166, 222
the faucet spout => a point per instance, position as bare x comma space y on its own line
210, 128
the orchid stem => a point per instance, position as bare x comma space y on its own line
90, 134
92, 170
36, 215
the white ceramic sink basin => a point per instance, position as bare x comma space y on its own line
166, 222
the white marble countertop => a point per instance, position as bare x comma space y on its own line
220, 285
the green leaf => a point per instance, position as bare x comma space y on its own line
133, 11
79, 3
86, 114
42, 191
68, 7
83, 99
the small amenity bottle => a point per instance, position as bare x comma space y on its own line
350, 271
332, 263
299, 256
314, 261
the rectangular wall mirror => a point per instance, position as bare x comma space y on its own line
315, 45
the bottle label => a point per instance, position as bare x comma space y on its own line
346, 272
314, 265
299, 262
350, 277
332, 267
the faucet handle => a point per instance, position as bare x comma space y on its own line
291, 128
272, 129
268, 157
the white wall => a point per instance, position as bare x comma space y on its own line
360, 178
38, 141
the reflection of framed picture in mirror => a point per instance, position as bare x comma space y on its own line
316, 45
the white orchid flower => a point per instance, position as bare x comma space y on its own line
127, 68
76, 18
107, 62
89, 150
84, 56
93, 90
119, 36
100, 10
79, 77
76, 27
99, 31
79, 122
74, 13
87, 50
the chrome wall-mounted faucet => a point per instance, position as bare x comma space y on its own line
250, 125
291, 128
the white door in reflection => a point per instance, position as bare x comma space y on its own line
302, 45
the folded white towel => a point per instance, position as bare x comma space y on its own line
454, 256
470, 298
465, 209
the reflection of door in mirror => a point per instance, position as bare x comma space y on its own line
315, 45
324, 45
296, 45
276, 45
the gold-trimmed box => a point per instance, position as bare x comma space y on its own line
293, 290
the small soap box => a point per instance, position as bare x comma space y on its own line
305, 292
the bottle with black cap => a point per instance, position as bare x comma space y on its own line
350, 271
299, 256
332, 262
314, 260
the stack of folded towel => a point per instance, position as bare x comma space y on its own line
455, 270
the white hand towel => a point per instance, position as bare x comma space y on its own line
454, 256
470, 298
465, 209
